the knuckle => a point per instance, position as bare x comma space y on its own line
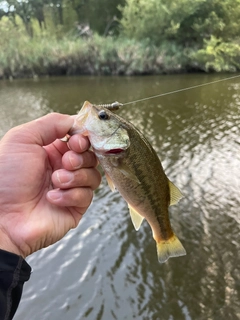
78, 197
89, 159
86, 196
83, 177
97, 179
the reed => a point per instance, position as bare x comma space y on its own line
45, 55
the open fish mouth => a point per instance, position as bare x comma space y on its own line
115, 151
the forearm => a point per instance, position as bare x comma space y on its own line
14, 271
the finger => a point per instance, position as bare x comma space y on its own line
44, 130
72, 160
84, 177
76, 197
55, 151
60, 146
78, 143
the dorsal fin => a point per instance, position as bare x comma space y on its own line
136, 217
175, 193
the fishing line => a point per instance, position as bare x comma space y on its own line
180, 90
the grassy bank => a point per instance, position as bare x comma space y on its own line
39, 38
24, 57
21, 56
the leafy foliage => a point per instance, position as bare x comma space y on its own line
188, 22
136, 36
217, 55
210, 29
48, 55
101, 15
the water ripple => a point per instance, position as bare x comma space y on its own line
104, 269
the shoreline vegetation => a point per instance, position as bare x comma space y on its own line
93, 56
28, 58
124, 37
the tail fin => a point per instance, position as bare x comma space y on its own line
170, 248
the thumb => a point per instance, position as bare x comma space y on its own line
44, 130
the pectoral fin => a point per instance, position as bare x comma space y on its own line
136, 217
175, 193
128, 173
110, 183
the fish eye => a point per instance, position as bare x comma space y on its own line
102, 115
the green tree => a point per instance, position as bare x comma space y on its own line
187, 22
157, 20
24, 10
104, 15
57, 5
38, 12
101, 15
79, 6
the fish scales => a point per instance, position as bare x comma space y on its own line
133, 167
155, 182
144, 164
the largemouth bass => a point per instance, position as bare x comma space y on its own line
132, 166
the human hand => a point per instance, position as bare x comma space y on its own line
46, 184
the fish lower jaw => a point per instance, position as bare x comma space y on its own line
108, 152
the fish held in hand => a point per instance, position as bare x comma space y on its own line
132, 166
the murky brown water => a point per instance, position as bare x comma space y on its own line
106, 270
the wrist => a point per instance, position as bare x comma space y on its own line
7, 245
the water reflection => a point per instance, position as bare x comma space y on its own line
106, 270
19, 104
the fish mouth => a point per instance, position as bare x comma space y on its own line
114, 151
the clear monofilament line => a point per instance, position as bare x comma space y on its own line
180, 90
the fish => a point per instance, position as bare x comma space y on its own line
132, 166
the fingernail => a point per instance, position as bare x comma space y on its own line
64, 176
55, 195
83, 144
75, 162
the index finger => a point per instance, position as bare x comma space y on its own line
42, 131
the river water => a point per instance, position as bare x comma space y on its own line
106, 270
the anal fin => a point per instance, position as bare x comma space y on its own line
136, 217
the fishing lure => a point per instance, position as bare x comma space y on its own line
111, 106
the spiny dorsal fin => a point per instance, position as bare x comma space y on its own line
136, 217
175, 193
